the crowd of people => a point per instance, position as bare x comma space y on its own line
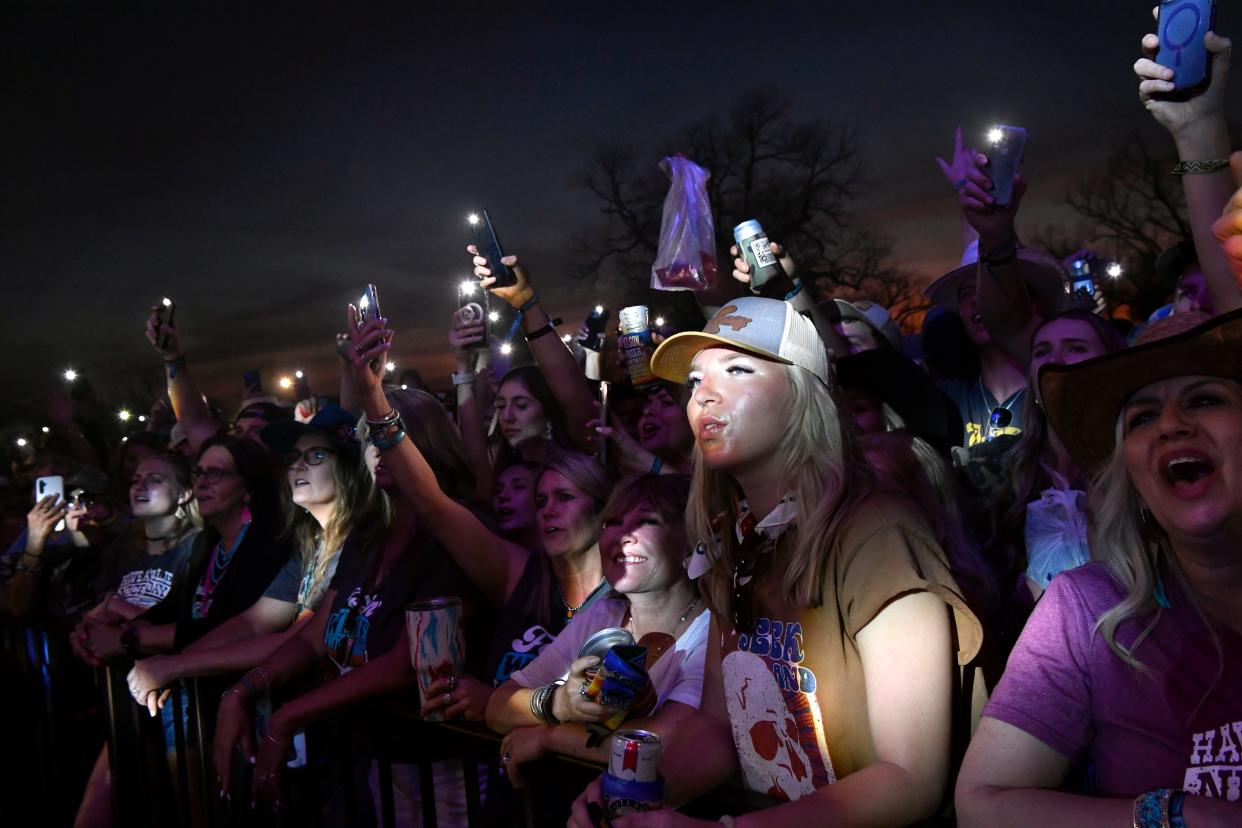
875, 584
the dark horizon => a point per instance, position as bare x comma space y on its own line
261, 165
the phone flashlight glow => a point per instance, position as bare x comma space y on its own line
123, 415
286, 383
21, 442
659, 321
466, 288
493, 317
167, 302
506, 349
70, 374
391, 366
599, 309
473, 218
996, 135
1115, 270
298, 374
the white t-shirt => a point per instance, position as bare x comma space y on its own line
676, 676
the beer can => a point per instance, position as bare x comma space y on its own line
599, 644
632, 783
635, 755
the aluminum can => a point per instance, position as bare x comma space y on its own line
756, 250
599, 644
632, 783
635, 344
437, 642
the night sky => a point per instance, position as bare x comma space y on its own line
260, 165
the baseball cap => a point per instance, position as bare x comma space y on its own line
767, 328
875, 316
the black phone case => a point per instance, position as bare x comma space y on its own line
1181, 27
488, 244
1004, 161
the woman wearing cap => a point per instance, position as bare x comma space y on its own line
644, 552
358, 629
327, 490
1132, 663
831, 668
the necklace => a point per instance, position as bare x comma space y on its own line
693, 603
569, 611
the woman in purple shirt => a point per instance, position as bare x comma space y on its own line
1131, 666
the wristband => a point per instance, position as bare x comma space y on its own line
1200, 167
797, 289
177, 360
388, 435
1003, 253
656, 465
463, 379
1176, 801
544, 331
534, 300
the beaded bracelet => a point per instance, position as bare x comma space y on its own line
388, 419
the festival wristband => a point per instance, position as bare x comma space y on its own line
529, 303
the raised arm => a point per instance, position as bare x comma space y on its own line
1005, 306
793, 291
1200, 132
470, 385
556, 361
188, 403
491, 562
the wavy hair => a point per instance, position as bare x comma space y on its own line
823, 471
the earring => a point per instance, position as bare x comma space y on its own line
547, 431
180, 513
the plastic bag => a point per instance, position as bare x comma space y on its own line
686, 257
1056, 534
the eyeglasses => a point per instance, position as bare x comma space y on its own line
212, 475
314, 456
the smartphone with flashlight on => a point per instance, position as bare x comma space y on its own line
168, 306
52, 485
488, 244
596, 322
473, 308
368, 306
1181, 25
1006, 146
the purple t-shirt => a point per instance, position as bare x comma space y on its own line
1178, 727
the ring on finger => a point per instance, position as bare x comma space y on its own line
505, 758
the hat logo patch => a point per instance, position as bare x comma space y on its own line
727, 318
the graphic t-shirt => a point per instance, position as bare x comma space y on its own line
1178, 726
533, 617
975, 403
793, 683
145, 580
293, 584
676, 676
368, 618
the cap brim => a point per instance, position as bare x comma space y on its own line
1084, 400
671, 360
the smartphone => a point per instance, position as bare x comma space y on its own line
472, 300
596, 322
488, 245
1083, 285
603, 419
54, 484
1006, 145
1181, 25
368, 306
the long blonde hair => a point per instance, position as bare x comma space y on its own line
825, 475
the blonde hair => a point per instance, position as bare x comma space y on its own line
821, 466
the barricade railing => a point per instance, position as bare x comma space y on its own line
146, 791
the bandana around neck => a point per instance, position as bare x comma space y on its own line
771, 527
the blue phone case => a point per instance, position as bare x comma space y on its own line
1181, 27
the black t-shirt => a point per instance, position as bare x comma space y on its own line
258, 557
144, 580
532, 618
367, 619
975, 403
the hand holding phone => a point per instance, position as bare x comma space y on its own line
596, 324
1181, 26
488, 244
603, 420
49, 504
1006, 146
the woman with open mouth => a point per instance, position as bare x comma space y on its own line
644, 552
1133, 662
837, 630
326, 490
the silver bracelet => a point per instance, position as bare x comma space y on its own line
463, 379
